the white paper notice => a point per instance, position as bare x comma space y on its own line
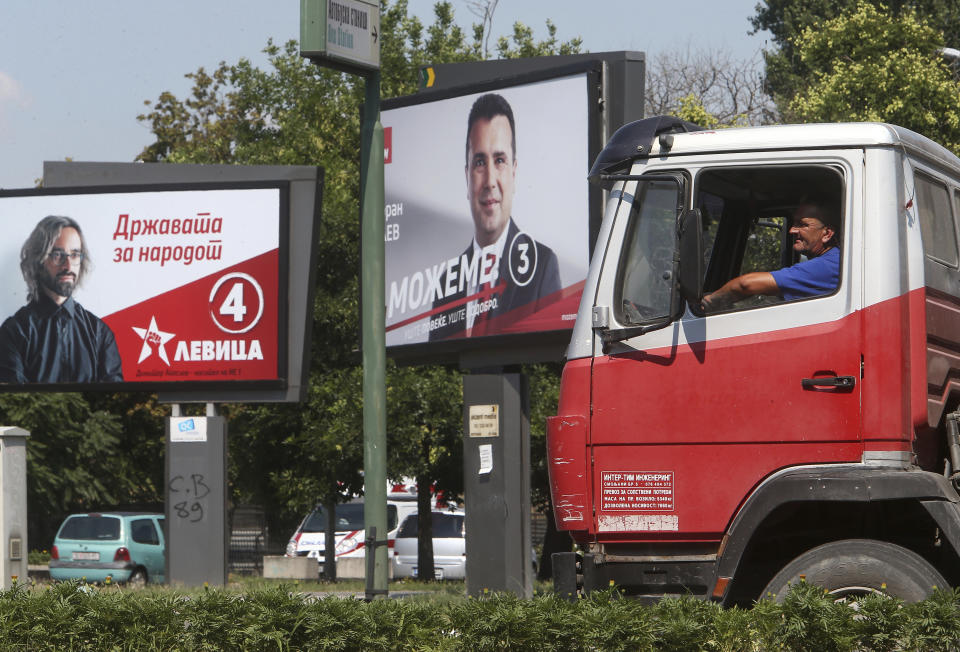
486, 458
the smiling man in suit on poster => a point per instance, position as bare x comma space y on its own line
514, 272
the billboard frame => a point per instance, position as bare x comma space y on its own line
538, 346
283, 219
298, 268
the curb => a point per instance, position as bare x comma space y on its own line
38, 571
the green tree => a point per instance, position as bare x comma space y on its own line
424, 441
787, 73
288, 457
870, 66
692, 110
74, 459
292, 114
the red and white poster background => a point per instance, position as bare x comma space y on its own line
187, 280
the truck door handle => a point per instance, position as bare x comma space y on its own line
839, 382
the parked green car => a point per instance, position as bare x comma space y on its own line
124, 547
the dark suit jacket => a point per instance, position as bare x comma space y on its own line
545, 281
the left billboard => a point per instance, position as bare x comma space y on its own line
144, 287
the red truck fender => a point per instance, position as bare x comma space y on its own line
856, 483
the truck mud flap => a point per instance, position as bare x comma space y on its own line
947, 516
565, 565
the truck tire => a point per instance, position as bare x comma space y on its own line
856, 567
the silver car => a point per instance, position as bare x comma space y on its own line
449, 546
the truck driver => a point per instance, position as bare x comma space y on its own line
815, 235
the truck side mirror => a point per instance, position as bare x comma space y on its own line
690, 247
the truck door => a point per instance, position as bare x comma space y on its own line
687, 419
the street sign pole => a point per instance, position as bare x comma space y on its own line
345, 35
373, 318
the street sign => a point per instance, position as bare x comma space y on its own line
342, 33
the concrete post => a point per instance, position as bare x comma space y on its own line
196, 506
13, 506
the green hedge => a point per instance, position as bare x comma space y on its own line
77, 617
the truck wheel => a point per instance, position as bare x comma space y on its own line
856, 567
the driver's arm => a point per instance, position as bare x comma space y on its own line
747, 285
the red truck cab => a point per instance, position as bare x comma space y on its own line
726, 452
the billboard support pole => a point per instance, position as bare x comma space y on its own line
195, 497
373, 324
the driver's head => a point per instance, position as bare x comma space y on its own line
815, 228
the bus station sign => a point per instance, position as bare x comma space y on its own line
341, 33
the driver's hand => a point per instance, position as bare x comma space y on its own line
705, 302
713, 301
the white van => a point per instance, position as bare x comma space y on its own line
308, 540
449, 546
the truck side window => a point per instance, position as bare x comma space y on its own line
646, 265
748, 215
936, 220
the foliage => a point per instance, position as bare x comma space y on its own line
786, 72
523, 45
869, 66
544, 386
77, 617
692, 110
72, 459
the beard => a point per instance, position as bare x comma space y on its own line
62, 285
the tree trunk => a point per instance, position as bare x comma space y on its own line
330, 542
425, 569
553, 541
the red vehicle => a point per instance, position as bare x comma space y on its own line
729, 452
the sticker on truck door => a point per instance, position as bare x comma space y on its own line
637, 491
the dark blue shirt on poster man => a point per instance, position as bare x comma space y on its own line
47, 343
543, 281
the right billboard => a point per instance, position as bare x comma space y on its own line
487, 211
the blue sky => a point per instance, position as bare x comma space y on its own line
74, 75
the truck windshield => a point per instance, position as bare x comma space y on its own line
646, 265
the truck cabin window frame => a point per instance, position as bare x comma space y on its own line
644, 290
747, 215
937, 221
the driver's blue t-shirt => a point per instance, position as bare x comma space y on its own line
809, 278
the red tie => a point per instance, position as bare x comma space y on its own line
480, 321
